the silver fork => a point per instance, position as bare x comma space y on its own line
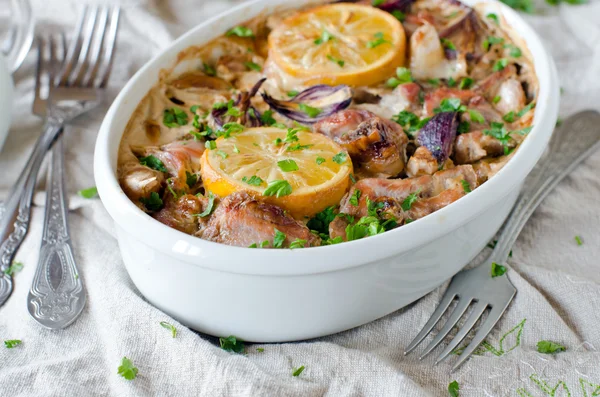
573, 142
79, 87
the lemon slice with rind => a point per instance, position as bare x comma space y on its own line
339, 44
299, 171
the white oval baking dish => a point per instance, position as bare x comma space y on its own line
284, 295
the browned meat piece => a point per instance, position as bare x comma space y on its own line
434, 98
505, 85
434, 192
463, 33
489, 113
181, 213
178, 156
403, 97
421, 163
242, 220
197, 79
474, 146
377, 145
487, 168
141, 181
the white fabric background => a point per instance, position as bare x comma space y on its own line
558, 281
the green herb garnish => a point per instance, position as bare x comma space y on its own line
209, 71
267, 118
240, 31
210, 145
325, 37
12, 343
402, 76
321, 220
500, 64
253, 180
548, 347
493, 17
298, 371
153, 162
191, 179
127, 370
466, 83
288, 165
410, 200
297, 243
379, 40
232, 344
496, 99
174, 117
278, 188
292, 93
15, 267
170, 327
340, 62
355, 197
253, 66
448, 44
320, 160
578, 240
278, 239
466, 186
340, 158
497, 270
453, 389
152, 203
309, 110
476, 116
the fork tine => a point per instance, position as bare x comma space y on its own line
9, 42
464, 331
486, 328
459, 310
94, 62
74, 49
86, 41
39, 65
109, 51
52, 60
435, 317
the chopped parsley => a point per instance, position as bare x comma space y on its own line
309, 110
127, 370
209, 71
321, 220
278, 188
292, 93
499, 132
222, 154
399, 15
379, 40
15, 267
466, 186
453, 389
298, 371
174, 117
209, 206
297, 243
493, 17
325, 37
12, 343
88, 193
377, 3
170, 327
240, 31
497, 270
340, 62
500, 64
253, 180
434, 82
152, 203
267, 118
260, 349
210, 145
340, 158
512, 116
410, 122
291, 136
320, 160
288, 165
253, 66
496, 99
366, 226
191, 179
451, 82
228, 129
278, 239
352, 178
476, 116
402, 76
466, 83
153, 162
448, 44
410, 200
297, 147
463, 127
355, 197
490, 41
548, 347
578, 240
264, 244
520, 5
232, 344
515, 51
235, 149
450, 105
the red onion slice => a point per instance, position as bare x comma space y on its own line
438, 135
243, 103
313, 104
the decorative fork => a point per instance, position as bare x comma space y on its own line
573, 142
79, 87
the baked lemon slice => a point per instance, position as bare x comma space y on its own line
339, 44
298, 171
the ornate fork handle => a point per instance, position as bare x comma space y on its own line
57, 295
572, 143
14, 223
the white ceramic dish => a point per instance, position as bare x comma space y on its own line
283, 295
6, 98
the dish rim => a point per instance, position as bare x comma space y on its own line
315, 260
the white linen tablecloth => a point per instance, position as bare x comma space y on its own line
558, 281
